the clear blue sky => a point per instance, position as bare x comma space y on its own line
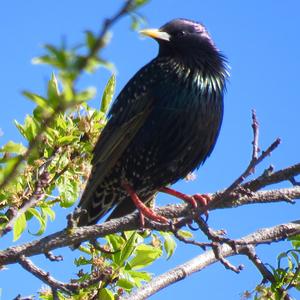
261, 41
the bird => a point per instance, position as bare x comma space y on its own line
163, 125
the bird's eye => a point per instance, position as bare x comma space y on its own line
181, 33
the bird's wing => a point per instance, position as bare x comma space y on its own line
126, 117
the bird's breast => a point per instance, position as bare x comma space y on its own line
182, 128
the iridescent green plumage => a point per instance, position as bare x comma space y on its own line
163, 125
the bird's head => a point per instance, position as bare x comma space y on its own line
187, 40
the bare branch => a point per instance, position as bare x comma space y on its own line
45, 277
262, 236
250, 252
53, 257
253, 163
255, 128
268, 179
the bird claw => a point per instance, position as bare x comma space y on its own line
203, 199
192, 200
143, 209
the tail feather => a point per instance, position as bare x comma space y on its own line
96, 206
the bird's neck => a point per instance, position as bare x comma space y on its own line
203, 74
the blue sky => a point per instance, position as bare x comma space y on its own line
261, 41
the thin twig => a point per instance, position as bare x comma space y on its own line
271, 178
226, 263
255, 128
294, 181
19, 297
217, 240
45, 276
177, 234
53, 257
37, 194
100, 41
253, 163
249, 250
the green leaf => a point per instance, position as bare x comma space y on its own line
37, 99
19, 227
116, 243
184, 233
46, 59
48, 211
144, 256
82, 261
139, 3
169, 243
106, 294
295, 241
125, 284
137, 21
142, 276
128, 248
295, 256
90, 39
108, 93
65, 140
29, 129
58, 56
53, 92
41, 220
85, 95
12, 147
68, 189
68, 91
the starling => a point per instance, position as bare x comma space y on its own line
163, 125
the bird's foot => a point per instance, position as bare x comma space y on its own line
203, 199
143, 209
193, 200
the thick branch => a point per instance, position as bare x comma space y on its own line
77, 235
262, 236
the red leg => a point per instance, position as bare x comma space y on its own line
184, 197
143, 209
193, 200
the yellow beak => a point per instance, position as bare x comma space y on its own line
156, 34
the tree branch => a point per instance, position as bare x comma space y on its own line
262, 236
41, 183
73, 236
45, 277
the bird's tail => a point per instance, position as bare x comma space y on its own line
94, 207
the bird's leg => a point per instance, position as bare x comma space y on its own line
184, 197
192, 200
143, 209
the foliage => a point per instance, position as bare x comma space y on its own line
52, 170
286, 276
49, 170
